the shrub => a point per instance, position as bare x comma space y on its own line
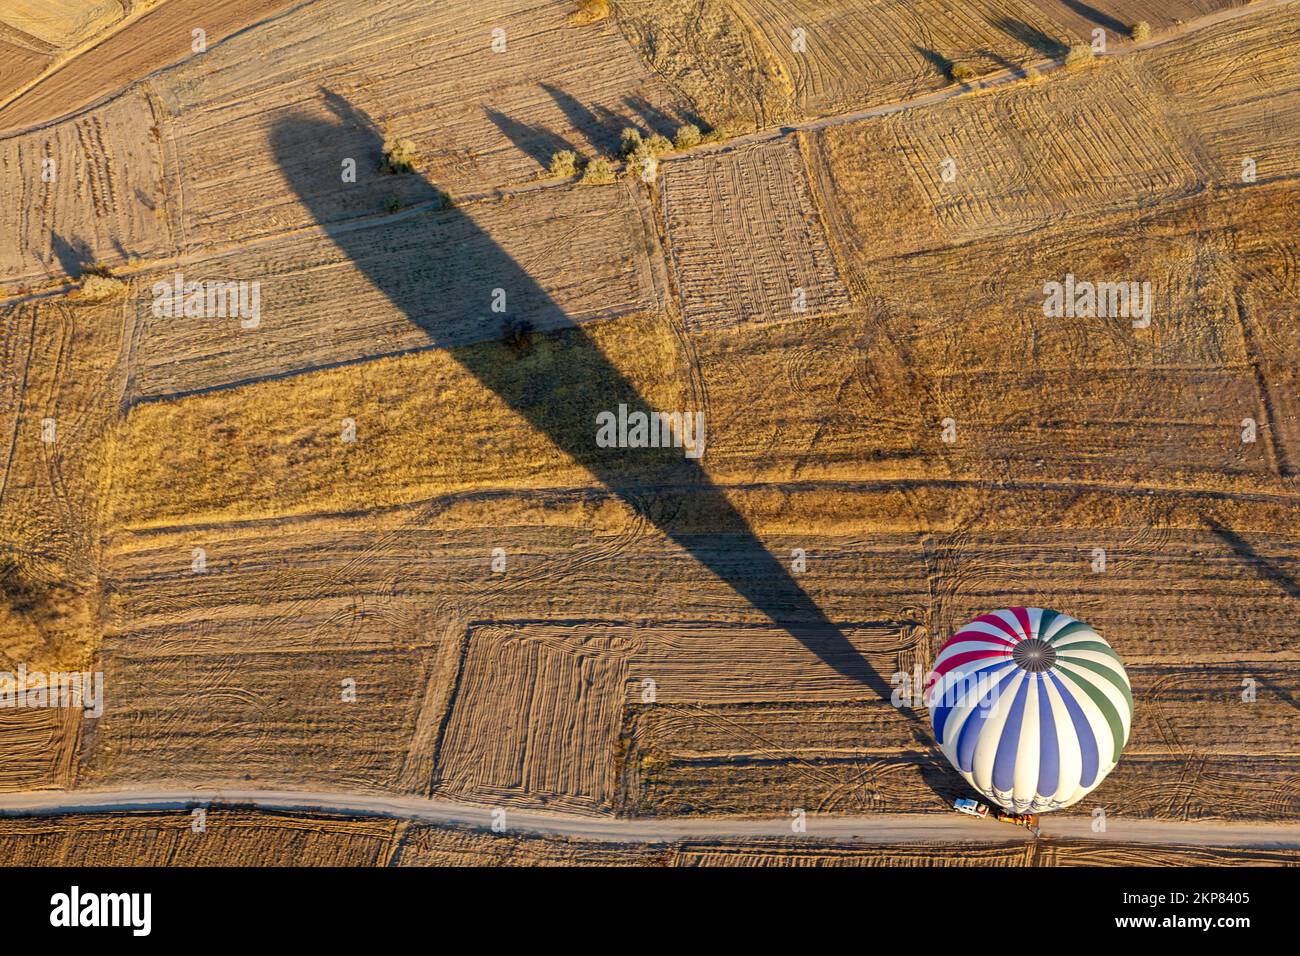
392, 204
962, 72
1141, 31
1078, 53
95, 287
630, 141
517, 335
716, 135
658, 145
643, 163
598, 172
399, 156
591, 11
564, 163
687, 136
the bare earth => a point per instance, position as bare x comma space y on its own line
358, 574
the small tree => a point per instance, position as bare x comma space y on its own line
399, 156
517, 335
630, 141
96, 287
564, 163
962, 72
658, 145
1141, 31
687, 136
1078, 54
642, 163
591, 11
598, 172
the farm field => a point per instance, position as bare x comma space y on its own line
375, 539
747, 64
109, 45
743, 717
229, 838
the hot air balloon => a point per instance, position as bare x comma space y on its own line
1031, 706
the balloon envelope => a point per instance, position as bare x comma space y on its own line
1031, 706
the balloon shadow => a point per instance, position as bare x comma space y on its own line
569, 381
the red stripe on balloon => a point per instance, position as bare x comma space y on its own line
1022, 615
1000, 625
958, 659
963, 636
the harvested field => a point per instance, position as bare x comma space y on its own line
745, 719
265, 713
1080, 145
61, 387
1234, 86
61, 22
436, 846
147, 43
20, 62
746, 241
425, 427
230, 838
39, 748
535, 717
751, 64
319, 308
860, 54
477, 119
972, 337
90, 189
1038, 853
1117, 17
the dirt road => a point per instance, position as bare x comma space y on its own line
878, 829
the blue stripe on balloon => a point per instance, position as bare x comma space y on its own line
939, 715
1049, 752
969, 735
1083, 729
1004, 764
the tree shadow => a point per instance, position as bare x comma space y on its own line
560, 385
536, 142
657, 120
1099, 17
1268, 570
1032, 37
935, 59
1262, 566
73, 256
601, 125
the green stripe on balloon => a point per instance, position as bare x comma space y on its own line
1101, 647
1045, 620
1106, 707
1115, 677
1073, 627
